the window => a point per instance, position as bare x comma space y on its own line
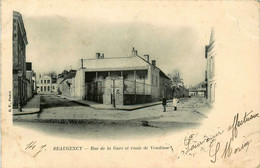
44, 88
41, 81
48, 88
41, 89
44, 81
48, 81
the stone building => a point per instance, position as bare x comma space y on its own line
121, 80
198, 90
210, 55
46, 85
19, 61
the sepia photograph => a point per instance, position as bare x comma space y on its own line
79, 75
130, 84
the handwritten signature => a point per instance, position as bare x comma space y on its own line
34, 147
214, 146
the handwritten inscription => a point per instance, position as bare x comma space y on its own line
217, 149
32, 146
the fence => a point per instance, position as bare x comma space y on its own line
136, 92
95, 91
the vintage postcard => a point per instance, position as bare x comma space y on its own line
130, 84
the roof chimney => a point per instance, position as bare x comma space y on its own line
81, 63
134, 52
154, 62
146, 57
97, 55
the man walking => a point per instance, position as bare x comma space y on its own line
174, 103
164, 104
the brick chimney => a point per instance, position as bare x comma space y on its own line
154, 62
146, 57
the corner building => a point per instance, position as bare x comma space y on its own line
125, 80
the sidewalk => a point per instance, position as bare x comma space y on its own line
32, 106
99, 106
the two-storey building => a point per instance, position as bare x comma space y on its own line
19, 61
210, 55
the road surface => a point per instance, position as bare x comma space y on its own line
62, 117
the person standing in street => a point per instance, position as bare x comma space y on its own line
174, 103
164, 104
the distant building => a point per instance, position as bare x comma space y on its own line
123, 80
19, 61
210, 55
198, 90
46, 85
54, 85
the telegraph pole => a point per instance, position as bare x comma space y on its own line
135, 90
144, 90
114, 97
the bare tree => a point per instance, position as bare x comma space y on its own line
175, 75
52, 74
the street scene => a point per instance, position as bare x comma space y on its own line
65, 117
105, 93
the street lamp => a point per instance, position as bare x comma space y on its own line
20, 74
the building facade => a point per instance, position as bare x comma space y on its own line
210, 55
121, 80
46, 85
198, 90
19, 61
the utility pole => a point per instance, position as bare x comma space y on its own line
144, 90
135, 90
114, 97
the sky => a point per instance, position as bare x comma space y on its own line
171, 36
